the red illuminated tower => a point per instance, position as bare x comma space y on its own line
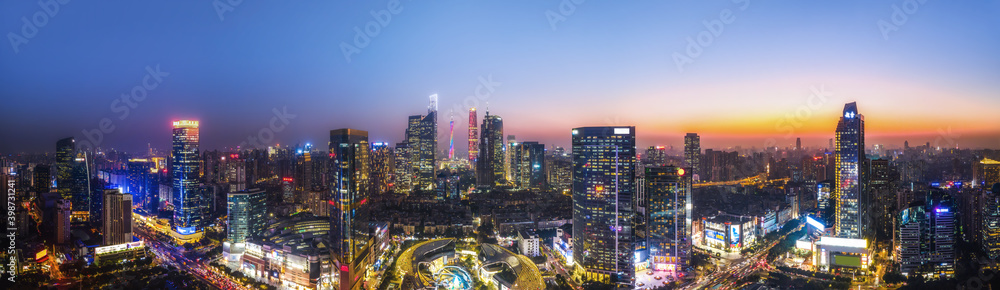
473, 137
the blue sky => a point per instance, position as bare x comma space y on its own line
605, 63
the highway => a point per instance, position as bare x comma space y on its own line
174, 257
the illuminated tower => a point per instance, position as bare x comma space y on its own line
73, 178
190, 206
692, 152
382, 161
350, 240
851, 200
473, 137
451, 138
604, 162
65, 159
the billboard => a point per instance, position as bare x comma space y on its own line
850, 261
715, 236
734, 235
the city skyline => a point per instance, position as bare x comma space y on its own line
743, 88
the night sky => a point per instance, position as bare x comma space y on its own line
933, 76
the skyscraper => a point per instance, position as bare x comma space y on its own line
42, 179
990, 236
668, 217
349, 229
65, 160
73, 178
190, 204
883, 198
692, 152
382, 161
247, 214
490, 165
507, 154
402, 179
851, 200
421, 133
473, 137
528, 165
117, 219
604, 162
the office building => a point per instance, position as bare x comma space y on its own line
63, 210
850, 198
421, 134
990, 228
190, 204
65, 161
883, 196
490, 165
908, 244
402, 179
247, 214
668, 217
117, 217
382, 163
42, 179
986, 173
692, 152
528, 165
604, 162
349, 228
473, 137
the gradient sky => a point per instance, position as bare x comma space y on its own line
935, 79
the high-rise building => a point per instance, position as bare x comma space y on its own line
692, 152
139, 183
490, 165
63, 209
528, 165
382, 161
117, 219
349, 228
604, 162
943, 226
507, 155
42, 179
402, 179
883, 197
668, 217
850, 197
986, 173
473, 137
909, 243
190, 204
65, 161
247, 214
990, 229
421, 133
303, 178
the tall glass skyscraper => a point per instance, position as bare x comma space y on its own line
117, 219
73, 178
247, 211
692, 152
349, 221
65, 160
190, 206
851, 200
490, 169
421, 133
604, 164
668, 217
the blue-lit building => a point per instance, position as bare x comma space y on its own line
190, 204
604, 164
850, 197
528, 165
247, 214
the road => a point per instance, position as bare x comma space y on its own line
200, 269
727, 279
558, 267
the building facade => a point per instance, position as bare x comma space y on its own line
668, 217
190, 204
349, 223
850, 197
604, 162
117, 217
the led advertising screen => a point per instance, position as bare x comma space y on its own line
734, 236
715, 236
